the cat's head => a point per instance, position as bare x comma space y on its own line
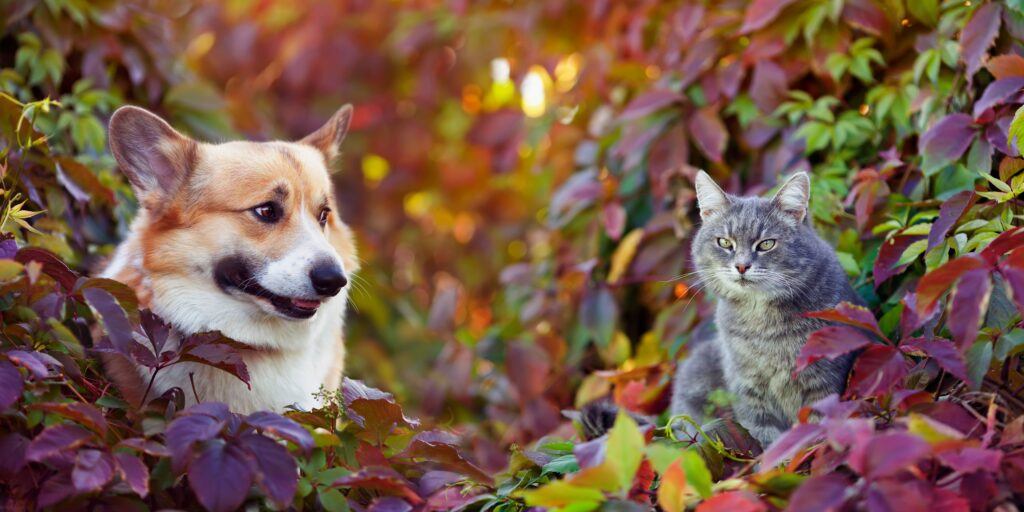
753, 247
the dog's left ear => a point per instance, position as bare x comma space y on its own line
329, 136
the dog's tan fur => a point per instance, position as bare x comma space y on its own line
196, 200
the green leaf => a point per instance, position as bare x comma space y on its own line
625, 449
925, 11
697, 474
979, 358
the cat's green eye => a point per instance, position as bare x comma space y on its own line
725, 243
766, 245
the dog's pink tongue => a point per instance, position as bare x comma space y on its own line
306, 304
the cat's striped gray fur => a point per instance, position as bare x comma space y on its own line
763, 289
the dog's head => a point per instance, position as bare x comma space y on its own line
255, 222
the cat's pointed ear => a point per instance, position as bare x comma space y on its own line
793, 196
711, 199
156, 158
328, 137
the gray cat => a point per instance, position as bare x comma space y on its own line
765, 264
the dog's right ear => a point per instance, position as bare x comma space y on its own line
156, 158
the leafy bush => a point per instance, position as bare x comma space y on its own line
540, 245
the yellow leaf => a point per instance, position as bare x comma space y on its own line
593, 386
931, 430
625, 449
560, 493
672, 492
618, 351
624, 253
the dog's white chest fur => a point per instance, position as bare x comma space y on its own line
290, 361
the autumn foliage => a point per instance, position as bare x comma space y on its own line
519, 175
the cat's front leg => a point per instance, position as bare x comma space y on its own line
756, 412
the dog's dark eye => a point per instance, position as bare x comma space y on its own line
267, 212
324, 214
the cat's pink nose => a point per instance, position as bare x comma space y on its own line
742, 267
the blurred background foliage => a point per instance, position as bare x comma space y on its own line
519, 174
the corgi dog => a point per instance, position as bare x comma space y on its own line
243, 238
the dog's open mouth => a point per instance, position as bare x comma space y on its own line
234, 273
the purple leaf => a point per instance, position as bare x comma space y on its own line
133, 472
215, 410
1012, 270
8, 247
889, 255
649, 102
213, 349
949, 213
155, 328
832, 407
997, 93
598, 313
278, 474
942, 351
971, 459
791, 442
149, 447
829, 343
185, 431
761, 13
12, 454
389, 504
888, 453
970, 301
948, 139
115, 320
220, 476
613, 217
590, 453
284, 428
56, 439
380, 479
708, 132
768, 85
877, 370
52, 266
442, 447
36, 363
978, 35
820, 493
93, 470
11, 384
865, 15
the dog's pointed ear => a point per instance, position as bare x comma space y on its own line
156, 158
329, 136
794, 195
711, 199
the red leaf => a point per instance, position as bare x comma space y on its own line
372, 409
947, 139
649, 102
849, 314
732, 501
978, 36
84, 414
942, 351
1004, 243
877, 370
865, 15
997, 93
937, 282
52, 266
532, 367
1006, 66
708, 131
888, 453
889, 254
970, 301
761, 13
949, 213
825, 493
830, 343
790, 442
442, 447
1012, 270
613, 217
381, 479
768, 85
971, 459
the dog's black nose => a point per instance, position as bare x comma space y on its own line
328, 279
